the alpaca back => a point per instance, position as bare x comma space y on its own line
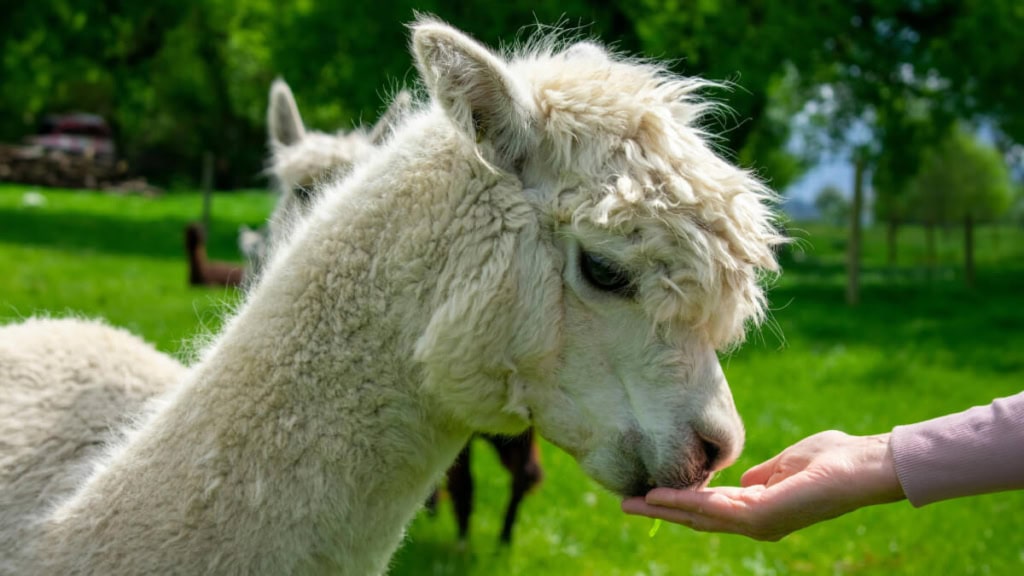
66, 387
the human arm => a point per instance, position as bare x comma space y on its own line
829, 474
977, 451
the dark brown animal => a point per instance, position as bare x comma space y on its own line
519, 455
203, 272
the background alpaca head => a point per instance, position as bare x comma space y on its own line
645, 260
301, 159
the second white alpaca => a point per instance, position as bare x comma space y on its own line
66, 387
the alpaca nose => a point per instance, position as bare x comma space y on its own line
712, 453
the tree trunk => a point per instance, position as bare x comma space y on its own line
969, 249
854, 245
890, 237
929, 243
206, 181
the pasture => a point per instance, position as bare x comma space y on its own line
920, 345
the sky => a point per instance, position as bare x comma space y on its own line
834, 172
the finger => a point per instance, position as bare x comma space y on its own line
633, 505
760, 473
691, 500
721, 502
637, 506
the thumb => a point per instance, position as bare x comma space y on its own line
760, 473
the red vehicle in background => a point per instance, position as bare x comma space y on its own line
86, 135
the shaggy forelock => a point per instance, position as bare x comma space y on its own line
701, 230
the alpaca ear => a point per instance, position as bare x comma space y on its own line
391, 118
283, 119
476, 89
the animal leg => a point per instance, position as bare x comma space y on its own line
460, 487
520, 457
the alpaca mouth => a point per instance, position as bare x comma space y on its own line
682, 480
640, 470
692, 477
639, 487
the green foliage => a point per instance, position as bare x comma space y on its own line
981, 55
756, 48
961, 177
833, 206
892, 197
1016, 211
179, 78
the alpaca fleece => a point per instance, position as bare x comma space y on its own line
66, 387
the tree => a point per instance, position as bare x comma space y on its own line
178, 79
832, 205
1016, 211
963, 179
893, 202
750, 46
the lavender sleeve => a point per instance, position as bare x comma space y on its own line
977, 451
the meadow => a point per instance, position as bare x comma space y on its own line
919, 345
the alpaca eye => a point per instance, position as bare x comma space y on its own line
304, 193
604, 275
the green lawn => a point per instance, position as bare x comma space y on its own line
919, 346
120, 257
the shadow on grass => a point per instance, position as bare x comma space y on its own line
74, 232
799, 267
977, 325
428, 556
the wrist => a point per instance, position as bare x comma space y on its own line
885, 483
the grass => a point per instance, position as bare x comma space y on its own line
121, 257
920, 345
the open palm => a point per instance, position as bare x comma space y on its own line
821, 477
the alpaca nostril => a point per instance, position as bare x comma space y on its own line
712, 454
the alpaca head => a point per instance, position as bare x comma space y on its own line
303, 159
641, 259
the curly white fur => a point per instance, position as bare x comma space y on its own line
66, 387
446, 287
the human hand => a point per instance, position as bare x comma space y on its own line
821, 477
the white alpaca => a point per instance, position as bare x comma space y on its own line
550, 242
302, 161
63, 395
292, 161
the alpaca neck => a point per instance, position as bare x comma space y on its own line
258, 466
302, 440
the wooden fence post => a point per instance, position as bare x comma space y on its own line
207, 185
